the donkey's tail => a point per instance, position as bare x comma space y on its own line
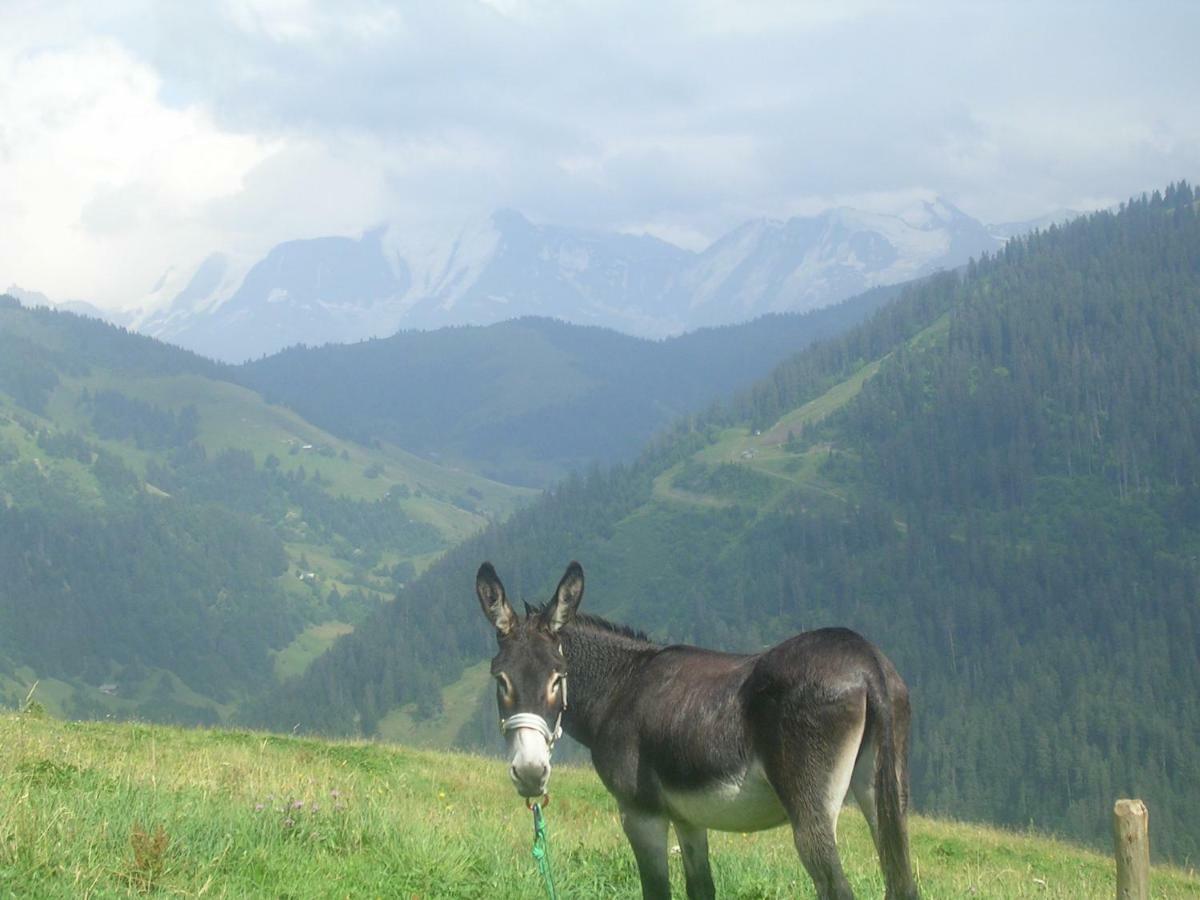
891, 789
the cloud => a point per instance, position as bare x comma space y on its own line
154, 134
104, 184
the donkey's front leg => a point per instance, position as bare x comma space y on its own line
647, 833
693, 842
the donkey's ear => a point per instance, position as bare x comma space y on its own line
491, 597
566, 598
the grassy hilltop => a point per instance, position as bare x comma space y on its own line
95, 810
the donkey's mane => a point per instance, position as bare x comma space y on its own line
596, 622
612, 627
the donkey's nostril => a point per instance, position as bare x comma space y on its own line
530, 776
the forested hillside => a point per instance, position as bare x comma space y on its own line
997, 479
170, 543
193, 543
494, 399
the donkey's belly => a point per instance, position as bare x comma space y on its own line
746, 802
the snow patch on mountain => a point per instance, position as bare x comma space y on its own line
440, 261
429, 275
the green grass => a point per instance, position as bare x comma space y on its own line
101, 810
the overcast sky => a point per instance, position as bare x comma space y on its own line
139, 135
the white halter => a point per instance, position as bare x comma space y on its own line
534, 722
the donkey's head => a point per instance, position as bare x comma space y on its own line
530, 673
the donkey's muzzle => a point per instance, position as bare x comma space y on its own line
531, 741
530, 778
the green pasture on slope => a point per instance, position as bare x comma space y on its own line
104, 810
234, 417
765, 452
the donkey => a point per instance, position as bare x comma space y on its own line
701, 739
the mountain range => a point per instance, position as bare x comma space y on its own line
337, 289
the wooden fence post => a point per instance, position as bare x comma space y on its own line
1131, 840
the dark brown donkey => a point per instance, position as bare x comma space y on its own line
703, 739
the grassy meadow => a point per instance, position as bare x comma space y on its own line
104, 810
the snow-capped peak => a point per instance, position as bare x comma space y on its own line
427, 275
440, 260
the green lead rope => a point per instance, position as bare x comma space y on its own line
541, 850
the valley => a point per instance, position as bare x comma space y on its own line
99, 426
103, 432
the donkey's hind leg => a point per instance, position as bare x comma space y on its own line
816, 749
862, 783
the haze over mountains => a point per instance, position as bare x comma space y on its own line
338, 289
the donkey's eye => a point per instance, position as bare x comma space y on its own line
503, 684
557, 684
